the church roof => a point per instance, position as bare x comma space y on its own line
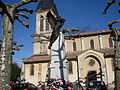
86, 34
46, 5
38, 58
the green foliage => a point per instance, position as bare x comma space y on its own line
15, 71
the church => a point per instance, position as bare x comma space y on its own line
90, 55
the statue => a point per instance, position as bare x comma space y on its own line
56, 24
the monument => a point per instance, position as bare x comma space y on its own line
58, 66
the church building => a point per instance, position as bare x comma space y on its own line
90, 55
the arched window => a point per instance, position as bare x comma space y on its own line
32, 69
74, 46
47, 24
70, 67
41, 23
110, 42
92, 44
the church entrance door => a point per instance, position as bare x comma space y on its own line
91, 76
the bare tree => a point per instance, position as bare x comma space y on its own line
116, 37
110, 24
10, 13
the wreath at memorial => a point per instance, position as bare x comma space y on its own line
59, 83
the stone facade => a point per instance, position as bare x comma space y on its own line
93, 51
98, 60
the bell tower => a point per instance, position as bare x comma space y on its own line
43, 28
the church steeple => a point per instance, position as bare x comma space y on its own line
46, 5
42, 25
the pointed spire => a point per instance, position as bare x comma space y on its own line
46, 5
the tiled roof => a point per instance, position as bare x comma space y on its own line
38, 58
107, 51
70, 55
92, 33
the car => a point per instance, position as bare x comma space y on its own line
25, 86
96, 85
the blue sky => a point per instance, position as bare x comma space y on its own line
77, 13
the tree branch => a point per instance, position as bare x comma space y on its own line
23, 15
17, 49
40, 35
1, 41
19, 45
16, 46
24, 2
67, 30
2, 7
107, 7
14, 43
26, 10
110, 24
24, 23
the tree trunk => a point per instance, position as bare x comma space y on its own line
8, 13
117, 65
6, 50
